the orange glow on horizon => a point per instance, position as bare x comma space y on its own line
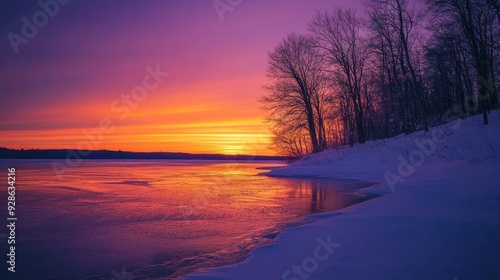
213, 143
193, 128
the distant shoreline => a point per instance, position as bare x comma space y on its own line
49, 154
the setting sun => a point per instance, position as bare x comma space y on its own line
233, 150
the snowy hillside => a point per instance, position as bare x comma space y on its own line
382, 160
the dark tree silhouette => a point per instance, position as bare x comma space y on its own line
338, 36
296, 94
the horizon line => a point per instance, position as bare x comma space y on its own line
138, 152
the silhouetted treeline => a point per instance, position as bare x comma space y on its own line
398, 67
106, 154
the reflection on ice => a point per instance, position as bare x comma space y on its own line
159, 218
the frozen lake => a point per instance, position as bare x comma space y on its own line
155, 219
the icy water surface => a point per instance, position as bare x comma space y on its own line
154, 219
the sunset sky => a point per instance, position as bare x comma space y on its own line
64, 80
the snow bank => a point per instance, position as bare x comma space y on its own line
398, 156
441, 220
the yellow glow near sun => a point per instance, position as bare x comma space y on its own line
232, 150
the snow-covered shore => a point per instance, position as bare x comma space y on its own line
439, 218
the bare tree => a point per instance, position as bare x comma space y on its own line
338, 36
449, 70
397, 25
296, 94
477, 21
